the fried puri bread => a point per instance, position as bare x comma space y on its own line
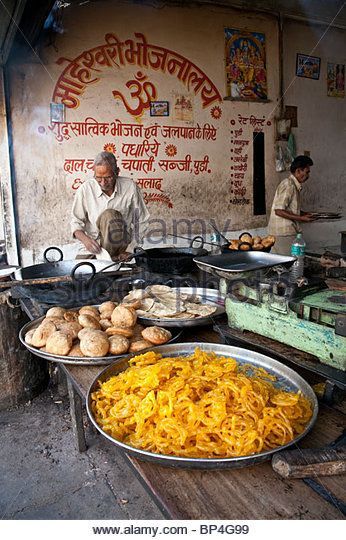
107, 306
124, 317
90, 310
118, 345
94, 344
156, 335
88, 321
28, 336
59, 343
119, 331
139, 345
70, 316
75, 351
56, 312
42, 333
105, 323
71, 328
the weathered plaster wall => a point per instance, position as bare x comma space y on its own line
45, 189
321, 125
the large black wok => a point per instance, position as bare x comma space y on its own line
83, 282
171, 260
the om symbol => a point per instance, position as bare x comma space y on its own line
142, 92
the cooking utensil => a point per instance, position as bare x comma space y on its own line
70, 287
170, 260
218, 232
76, 360
208, 296
302, 463
287, 379
239, 262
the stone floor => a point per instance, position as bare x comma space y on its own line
44, 477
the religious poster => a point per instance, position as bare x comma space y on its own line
183, 109
246, 73
308, 66
335, 80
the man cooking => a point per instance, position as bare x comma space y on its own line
108, 212
286, 215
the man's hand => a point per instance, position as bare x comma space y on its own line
307, 217
124, 256
89, 243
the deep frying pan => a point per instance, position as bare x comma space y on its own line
65, 282
171, 260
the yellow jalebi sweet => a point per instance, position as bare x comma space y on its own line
202, 405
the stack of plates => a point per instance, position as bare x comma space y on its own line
326, 215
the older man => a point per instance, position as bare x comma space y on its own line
286, 215
108, 211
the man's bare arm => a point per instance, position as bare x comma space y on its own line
305, 218
89, 243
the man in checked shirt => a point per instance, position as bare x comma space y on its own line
108, 212
286, 215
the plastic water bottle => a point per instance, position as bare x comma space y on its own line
298, 251
216, 240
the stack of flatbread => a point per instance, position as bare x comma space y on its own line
163, 302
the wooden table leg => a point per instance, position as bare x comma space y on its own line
76, 411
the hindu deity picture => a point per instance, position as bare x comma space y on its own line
335, 80
246, 74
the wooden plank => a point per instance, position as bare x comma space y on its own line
310, 462
76, 417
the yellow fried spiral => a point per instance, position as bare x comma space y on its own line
203, 406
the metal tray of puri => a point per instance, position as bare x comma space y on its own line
208, 296
239, 262
77, 360
287, 379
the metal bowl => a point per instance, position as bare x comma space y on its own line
77, 360
287, 379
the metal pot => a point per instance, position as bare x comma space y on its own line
171, 260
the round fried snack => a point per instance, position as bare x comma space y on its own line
59, 343
134, 304
71, 316
105, 323
56, 312
256, 240
245, 237
55, 320
87, 321
28, 336
268, 241
42, 333
234, 244
156, 335
71, 328
258, 247
123, 316
90, 310
94, 344
118, 345
245, 247
75, 351
87, 331
118, 331
139, 345
107, 306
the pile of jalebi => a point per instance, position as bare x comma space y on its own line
201, 405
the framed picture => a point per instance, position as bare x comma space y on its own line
308, 66
159, 108
335, 80
246, 71
57, 112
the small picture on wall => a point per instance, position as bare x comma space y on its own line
57, 112
335, 80
183, 108
159, 108
308, 66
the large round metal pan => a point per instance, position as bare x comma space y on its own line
208, 296
287, 379
76, 360
171, 260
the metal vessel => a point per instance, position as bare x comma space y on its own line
287, 379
